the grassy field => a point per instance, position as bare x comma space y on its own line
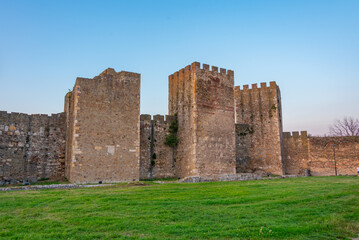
297, 208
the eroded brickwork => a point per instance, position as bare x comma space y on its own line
243, 148
146, 146
32, 147
157, 158
317, 154
204, 102
260, 109
296, 152
104, 127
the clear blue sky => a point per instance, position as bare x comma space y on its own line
310, 48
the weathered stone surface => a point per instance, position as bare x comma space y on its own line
157, 159
103, 137
32, 146
204, 103
104, 128
259, 133
316, 154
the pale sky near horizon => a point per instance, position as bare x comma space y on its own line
310, 48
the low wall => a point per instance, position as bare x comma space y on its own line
32, 147
320, 155
157, 160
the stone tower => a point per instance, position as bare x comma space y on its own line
103, 116
259, 128
203, 101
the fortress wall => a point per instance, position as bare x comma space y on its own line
260, 108
157, 159
321, 155
146, 146
317, 154
215, 130
32, 147
163, 166
203, 100
296, 152
105, 123
243, 143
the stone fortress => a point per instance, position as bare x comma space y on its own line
213, 130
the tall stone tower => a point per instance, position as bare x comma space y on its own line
259, 128
203, 101
103, 116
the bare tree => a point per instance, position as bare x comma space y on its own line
349, 126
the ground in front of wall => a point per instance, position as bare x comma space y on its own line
292, 208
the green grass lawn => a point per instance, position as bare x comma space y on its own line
296, 208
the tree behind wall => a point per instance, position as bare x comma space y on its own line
348, 126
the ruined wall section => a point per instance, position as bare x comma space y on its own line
260, 108
105, 125
157, 158
296, 152
316, 154
32, 147
204, 102
321, 155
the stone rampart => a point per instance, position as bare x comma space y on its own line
104, 128
222, 130
320, 155
156, 159
32, 147
203, 100
260, 109
296, 152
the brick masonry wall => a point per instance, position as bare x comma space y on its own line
321, 155
260, 109
296, 152
204, 102
317, 154
157, 159
243, 147
105, 128
181, 102
32, 147
146, 146
69, 112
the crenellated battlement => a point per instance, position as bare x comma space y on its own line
202, 96
210, 131
17, 114
34, 136
263, 85
198, 66
295, 134
158, 118
259, 106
